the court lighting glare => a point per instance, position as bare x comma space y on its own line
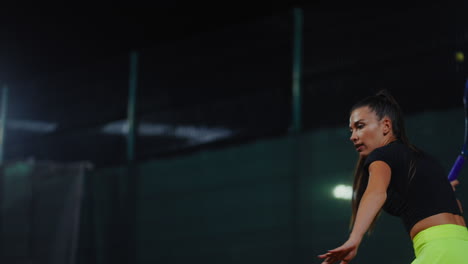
195, 134
344, 192
31, 126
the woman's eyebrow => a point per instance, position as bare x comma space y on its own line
355, 122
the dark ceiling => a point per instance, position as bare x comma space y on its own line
212, 74
48, 39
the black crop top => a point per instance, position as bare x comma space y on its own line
414, 196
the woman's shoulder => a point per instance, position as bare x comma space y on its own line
390, 153
392, 147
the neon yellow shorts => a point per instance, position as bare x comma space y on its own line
441, 244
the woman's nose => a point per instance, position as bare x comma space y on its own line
353, 137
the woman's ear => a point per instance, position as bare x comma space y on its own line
387, 125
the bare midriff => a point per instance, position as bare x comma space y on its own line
438, 219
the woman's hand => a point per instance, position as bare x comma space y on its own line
454, 184
345, 253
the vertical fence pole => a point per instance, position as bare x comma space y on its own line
296, 144
130, 211
3, 116
297, 71
131, 110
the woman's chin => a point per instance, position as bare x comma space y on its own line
363, 154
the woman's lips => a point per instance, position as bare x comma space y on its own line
359, 147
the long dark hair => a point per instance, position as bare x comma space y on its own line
383, 104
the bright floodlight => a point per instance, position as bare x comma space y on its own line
343, 192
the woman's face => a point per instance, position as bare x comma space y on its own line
367, 132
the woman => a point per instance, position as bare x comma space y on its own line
394, 175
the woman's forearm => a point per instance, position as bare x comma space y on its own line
369, 207
460, 206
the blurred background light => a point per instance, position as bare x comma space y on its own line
344, 192
197, 134
31, 126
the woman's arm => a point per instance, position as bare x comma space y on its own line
371, 202
460, 219
454, 184
373, 198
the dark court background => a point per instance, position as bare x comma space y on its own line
209, 132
